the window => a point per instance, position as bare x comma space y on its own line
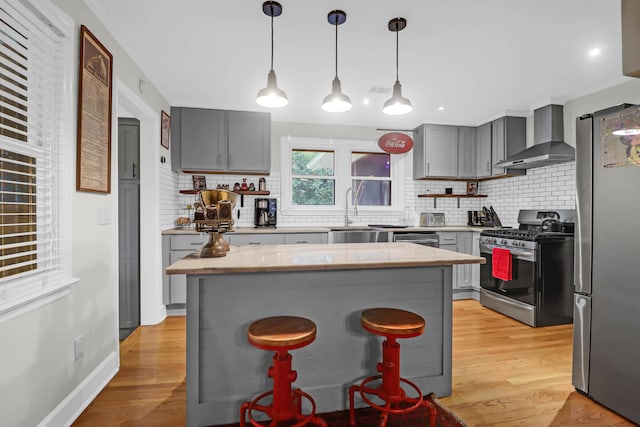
323, 176
33, 56
313, 177
371, 179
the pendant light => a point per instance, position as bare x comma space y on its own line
272, 96
397, 104
336, 101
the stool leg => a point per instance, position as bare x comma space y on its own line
390, 369
432, 412
243, 412
352, 414
282, 376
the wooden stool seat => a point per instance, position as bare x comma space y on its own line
276, 332
392, 321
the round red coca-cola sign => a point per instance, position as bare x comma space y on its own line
395, 142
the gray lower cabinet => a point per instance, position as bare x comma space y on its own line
207, 140
475, 268
449, 241
461, 241
298, 238
464, 271
175, 247
508, 136
255, 239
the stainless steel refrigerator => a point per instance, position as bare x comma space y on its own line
606, 352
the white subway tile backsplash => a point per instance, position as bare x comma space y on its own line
542, 188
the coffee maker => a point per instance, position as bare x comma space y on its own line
266, 212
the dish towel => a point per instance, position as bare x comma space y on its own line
501, 263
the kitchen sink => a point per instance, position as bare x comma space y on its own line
352, 228
357, 235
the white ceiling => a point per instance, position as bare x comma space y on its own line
477, 59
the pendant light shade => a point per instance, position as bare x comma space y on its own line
397, 104
336, 101
271, 96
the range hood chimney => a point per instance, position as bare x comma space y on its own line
548, 146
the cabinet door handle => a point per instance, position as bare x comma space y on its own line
196, 243
255, 243
134, 170
488, 169
301, 241
427, 168
230, 159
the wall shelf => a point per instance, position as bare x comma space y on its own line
242, 193
457, 196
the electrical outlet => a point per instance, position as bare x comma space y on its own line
78, 346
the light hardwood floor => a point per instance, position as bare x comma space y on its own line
504, 374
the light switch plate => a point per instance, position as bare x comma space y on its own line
104, 216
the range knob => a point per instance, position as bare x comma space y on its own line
503, 241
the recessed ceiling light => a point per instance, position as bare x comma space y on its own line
441, 108
366, 101
594, 52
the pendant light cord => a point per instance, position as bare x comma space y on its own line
272, 12
336, 46
397, 52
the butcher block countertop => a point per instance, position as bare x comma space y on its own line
263, 258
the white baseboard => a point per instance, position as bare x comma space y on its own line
72, 406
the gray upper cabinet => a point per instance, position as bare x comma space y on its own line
249, 141
483, 154
436, 151
442, 151
467, 152
509, 136
205, 140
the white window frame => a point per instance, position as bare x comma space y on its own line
25, 293
343, 148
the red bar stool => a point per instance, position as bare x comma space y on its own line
281, 334
392, 324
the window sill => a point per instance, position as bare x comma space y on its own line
340, 212
15, 307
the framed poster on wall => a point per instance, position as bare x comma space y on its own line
93, 167
165, 126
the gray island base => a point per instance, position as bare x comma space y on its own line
329, 284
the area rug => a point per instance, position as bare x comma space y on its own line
369, 417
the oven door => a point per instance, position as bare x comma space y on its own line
522, 285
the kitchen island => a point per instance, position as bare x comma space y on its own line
329, 284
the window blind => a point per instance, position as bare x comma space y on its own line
31, 84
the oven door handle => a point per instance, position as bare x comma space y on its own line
487, 249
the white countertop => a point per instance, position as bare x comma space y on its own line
262, 258
311, 229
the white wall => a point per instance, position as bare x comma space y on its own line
40, 381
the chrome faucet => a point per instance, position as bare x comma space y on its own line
346, 207
355, 205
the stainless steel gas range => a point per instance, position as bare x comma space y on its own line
540, 290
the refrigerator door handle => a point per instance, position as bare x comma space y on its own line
581, 342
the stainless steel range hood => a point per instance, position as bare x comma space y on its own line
549, 147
